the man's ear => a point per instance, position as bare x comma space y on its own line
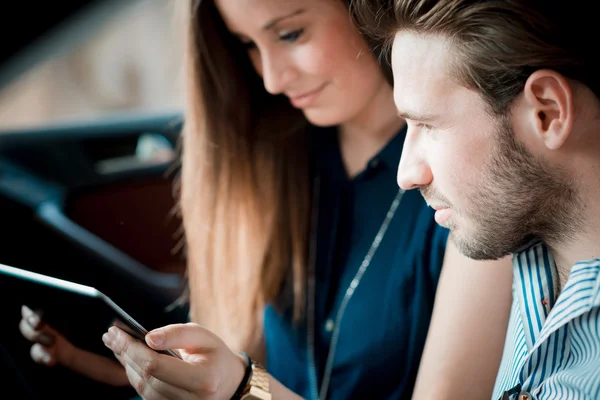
550, 114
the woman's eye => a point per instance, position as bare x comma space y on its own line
291, 36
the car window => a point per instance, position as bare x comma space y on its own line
112, 57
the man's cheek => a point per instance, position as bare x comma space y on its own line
454, 179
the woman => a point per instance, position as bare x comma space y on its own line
303, 252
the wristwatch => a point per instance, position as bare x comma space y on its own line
255, 383
258, 385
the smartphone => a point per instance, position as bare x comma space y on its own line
97, 303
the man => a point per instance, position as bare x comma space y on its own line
502, 102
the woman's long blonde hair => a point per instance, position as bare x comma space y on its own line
244, 188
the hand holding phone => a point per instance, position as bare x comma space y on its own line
51, 348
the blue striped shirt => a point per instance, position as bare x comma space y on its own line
553, 343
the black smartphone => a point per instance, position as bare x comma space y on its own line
98, 304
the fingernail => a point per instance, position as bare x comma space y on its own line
112, 332
106, 339
156, 338
33, 320
25, 310
40, 355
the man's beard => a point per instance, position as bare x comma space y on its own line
520, 199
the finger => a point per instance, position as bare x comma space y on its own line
33, 335
32, 318
191, 337
42, 355
188, 376
150, 385
36, 320
142, 387
120, 359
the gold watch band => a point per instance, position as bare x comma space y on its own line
258, 386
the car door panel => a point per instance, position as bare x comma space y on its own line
66, 214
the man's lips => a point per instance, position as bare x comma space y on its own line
438, 207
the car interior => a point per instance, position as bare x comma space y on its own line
92, 202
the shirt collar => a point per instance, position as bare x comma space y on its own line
327, 146
536, 281
390, 154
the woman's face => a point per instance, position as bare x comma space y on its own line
310, 51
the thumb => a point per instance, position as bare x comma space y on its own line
188, 336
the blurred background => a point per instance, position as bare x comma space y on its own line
86, 59
91, 100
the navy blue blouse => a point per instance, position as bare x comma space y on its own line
384, 327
